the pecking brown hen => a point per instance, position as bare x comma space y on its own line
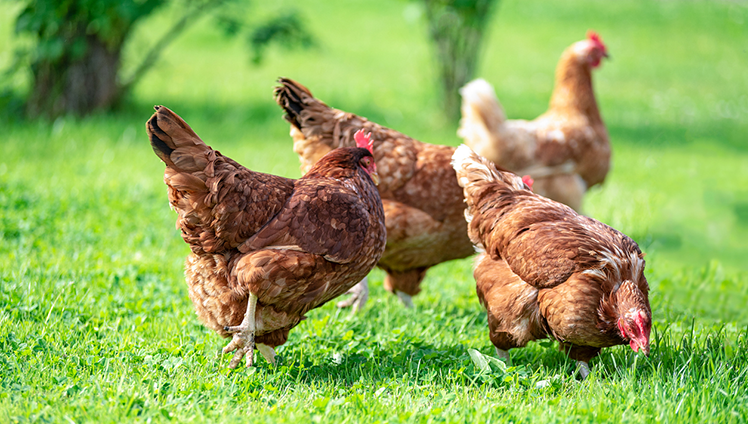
267, 249
566, 150
548, 271
423, 205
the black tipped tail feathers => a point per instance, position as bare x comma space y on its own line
158, 137
169, 133
293, 98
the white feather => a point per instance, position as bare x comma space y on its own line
469, 165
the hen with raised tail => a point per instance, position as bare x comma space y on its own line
267, 249
423, 205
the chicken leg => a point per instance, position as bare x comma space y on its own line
405, 298
581, 354
359, 295
584, 369
405, 284
243, 341
503, 354
267, 352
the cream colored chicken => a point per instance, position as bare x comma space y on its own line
566, 150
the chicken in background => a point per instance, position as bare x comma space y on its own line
267, 249
566, 150
547, 271
423, 205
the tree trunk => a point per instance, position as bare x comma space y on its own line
457, 29
77, 85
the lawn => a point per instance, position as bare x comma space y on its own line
96, 325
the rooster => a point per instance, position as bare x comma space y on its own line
423, 205
267, 249
566, 150
548, 271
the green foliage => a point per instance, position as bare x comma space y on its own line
75, 52
75, 55
287, 30
457, 28
61, 27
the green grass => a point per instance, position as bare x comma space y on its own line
96, 325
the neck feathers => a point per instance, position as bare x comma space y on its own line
573, 89
624, 299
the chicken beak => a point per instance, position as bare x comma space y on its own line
374, 177
637, 345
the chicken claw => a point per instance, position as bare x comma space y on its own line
243, 345
243, 341
359, 295
584, 370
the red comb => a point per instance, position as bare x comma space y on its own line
595, 38
528, 181
364, 140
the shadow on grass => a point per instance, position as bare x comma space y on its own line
693, 354
727, 134
415, 365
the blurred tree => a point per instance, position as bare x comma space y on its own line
76, 53
456, 28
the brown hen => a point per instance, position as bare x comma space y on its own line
547, 270
267, 249
423, 205
566, 150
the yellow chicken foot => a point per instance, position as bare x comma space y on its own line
359, 295
243, 341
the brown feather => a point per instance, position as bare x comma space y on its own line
547, 270
424, 206
296, 244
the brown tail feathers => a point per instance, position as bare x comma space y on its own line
175, 142
293, 98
